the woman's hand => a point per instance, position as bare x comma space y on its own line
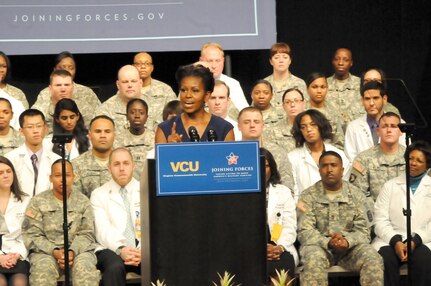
175, 137
273, 252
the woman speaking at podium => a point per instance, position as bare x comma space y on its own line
196, 83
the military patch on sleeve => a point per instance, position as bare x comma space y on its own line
352, 178
359, 167
301, 206
370, 216
30, 213
25, 224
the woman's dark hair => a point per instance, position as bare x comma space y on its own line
61, 56
8, 67
79, 133
275, 177
313, 76
15, 188
137, 100
262, 81
322, 123
382, 75
196, 71
423, 147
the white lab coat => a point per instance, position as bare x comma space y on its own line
358, 137
110, 214
12, 242
235, 92
388, 211
305, 170
24, 169
281, 209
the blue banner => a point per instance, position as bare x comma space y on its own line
207, 168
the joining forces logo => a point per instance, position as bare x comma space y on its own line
232, 159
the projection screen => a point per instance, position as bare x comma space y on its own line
98, 26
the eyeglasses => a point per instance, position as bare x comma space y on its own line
146, 64
296, 101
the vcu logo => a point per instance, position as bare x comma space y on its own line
185, 166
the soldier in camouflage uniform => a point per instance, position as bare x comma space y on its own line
333, 228
343, 88
377, 165
129, 86
5, 72
91, 167
138, 139
261, 95
83, 96
250, 124
43, 234
280, 133
155, 93
281, 79
9, 138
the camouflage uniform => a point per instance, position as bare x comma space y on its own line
139, 145
116, 109
157, 96
345, 96
15, 141
283, 164
329, 110
372, 168
89, 174
291, 82
42, 233
320, 217
280, 134
17, 94
84, 97
271, 116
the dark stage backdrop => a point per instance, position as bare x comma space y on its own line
393, 35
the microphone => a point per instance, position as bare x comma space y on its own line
211, 135
193, 134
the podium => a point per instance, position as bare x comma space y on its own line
205, 216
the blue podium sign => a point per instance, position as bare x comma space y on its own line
207, 168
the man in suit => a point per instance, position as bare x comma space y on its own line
116, 207
32, 161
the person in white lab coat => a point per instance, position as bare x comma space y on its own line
281, 213
33, 174
13, 202
116, 207
390, 227
311, 130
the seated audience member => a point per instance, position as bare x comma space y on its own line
129, 86
311, 129
361, 133
317, 88
280, 133
91, 166
261, 95
32, 160
43, 233
13, 202
212, 55
251, 126
172, 109
382, 162
281, 78
155, 93
5, 74
390, 227
376, 74
137, 138
9, 137
281, 253
333, 228
343, 87
117, 210
68, 120
84, 96
196, 84
218, 104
